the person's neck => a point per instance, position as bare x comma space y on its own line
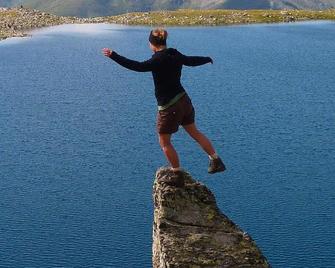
160, 48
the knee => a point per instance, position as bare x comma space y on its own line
196, 135
164, 144
193, 131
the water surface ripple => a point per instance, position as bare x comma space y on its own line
78, 147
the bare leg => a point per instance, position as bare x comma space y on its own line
200, 138
215, 164
168, 149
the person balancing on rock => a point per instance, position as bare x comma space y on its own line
174, 105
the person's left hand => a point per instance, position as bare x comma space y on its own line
107, 52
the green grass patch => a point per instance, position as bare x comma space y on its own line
9, 14
220, 17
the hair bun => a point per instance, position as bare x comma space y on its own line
160, 33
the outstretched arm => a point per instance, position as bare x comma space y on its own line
144, 66
195, 60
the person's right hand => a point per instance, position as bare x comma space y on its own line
107, 52
211, 61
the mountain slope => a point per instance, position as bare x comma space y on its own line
84, 8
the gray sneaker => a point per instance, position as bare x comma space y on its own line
216, 165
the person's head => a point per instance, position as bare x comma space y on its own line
157, 39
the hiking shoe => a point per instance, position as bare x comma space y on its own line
216, 165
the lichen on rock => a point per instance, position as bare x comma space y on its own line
189, 230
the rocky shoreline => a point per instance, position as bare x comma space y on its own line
16, 22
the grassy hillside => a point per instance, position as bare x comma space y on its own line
92, 8
219, 17
15, 22
84, 8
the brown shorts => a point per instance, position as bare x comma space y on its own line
180, 113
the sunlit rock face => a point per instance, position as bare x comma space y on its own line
190, 231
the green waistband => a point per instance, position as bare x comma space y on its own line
171, 102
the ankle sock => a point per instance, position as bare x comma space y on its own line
176, 169
214, 156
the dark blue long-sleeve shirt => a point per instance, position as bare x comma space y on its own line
166, 66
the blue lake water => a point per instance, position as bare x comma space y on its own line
78, 148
